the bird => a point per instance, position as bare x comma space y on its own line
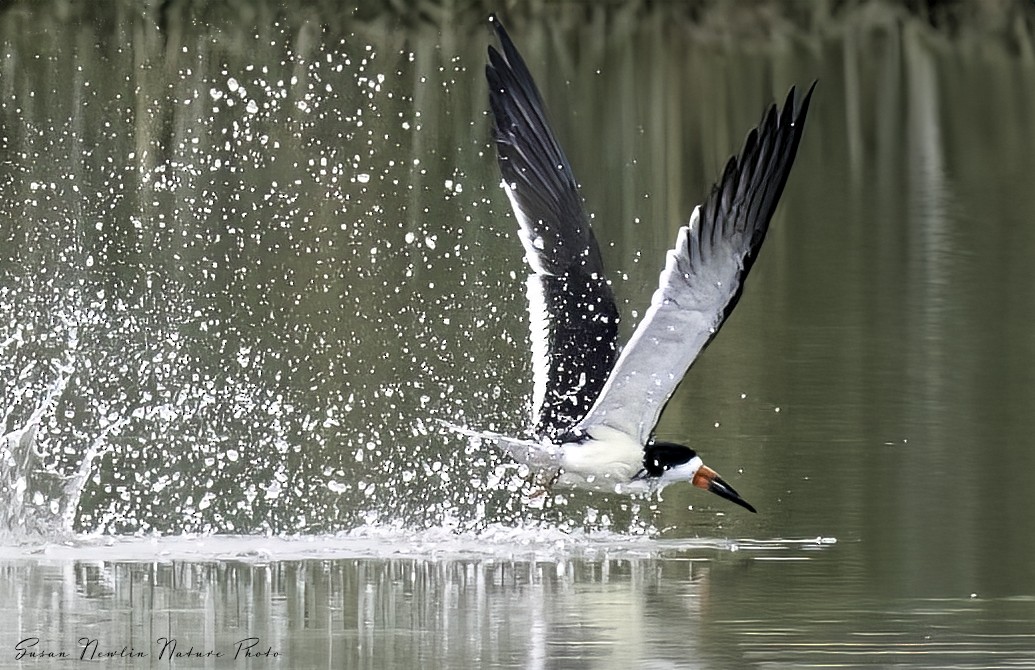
595, 406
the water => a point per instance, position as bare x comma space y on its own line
248, 261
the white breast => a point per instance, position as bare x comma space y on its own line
607, 461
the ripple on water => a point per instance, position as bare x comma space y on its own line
535, 543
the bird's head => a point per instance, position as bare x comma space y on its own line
667, 462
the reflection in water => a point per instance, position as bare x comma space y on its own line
684, 609
362, 612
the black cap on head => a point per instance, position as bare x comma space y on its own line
660, 456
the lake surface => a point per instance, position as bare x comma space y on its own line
249, 261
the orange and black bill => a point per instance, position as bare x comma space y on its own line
709, 480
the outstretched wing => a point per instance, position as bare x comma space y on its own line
572, 312
703, 276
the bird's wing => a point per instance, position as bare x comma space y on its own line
703, 276
572, 312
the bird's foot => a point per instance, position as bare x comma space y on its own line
538, 493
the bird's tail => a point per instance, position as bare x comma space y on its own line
529, 452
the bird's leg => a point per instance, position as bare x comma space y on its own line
540, 488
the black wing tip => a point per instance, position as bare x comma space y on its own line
497, 62
749, 188
504, 59
787, 120
497, 27
802, 108
529, 155
793, 110
510, 52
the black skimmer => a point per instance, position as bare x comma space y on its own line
595, 407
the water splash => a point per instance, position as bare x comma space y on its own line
251, 280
